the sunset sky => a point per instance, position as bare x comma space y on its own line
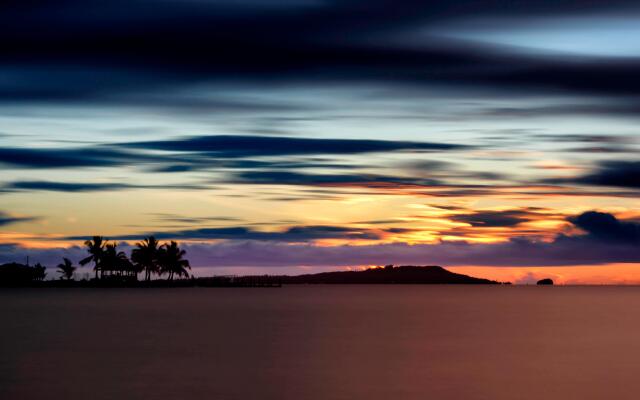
495, 138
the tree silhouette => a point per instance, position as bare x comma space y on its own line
145, 256
172, 261
39, 272
115, 262
66, 269
96, 249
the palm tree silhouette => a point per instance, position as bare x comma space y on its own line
115, 262
145, 256
172, 261
66, 269
96, 249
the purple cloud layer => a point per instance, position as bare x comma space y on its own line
605, 240
564, 251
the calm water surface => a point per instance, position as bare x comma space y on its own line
321, 342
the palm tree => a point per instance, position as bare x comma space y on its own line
66, 269
172, 261
95, 247
145, 256
115, 261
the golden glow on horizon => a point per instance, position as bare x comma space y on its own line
613, 274
404, 220
393, 215
610, 274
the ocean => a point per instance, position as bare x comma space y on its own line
321, 342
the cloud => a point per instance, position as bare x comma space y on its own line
628, 108
8, 219
273, 253
111, 59
182, 219
615, 173
213, 152
233, 159
295, 234
606, 227
65, 186
49, 257
348, 180
589, 139
512, 253
202, 162
492, 219
607, 240
625, 174
77, 187
227, 146
64, 158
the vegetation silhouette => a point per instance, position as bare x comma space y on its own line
145, 256
40, 272
16, 274
172, 262
95, 247
116, 265
66, 269
113, 268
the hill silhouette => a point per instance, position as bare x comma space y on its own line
407, 274
14, 274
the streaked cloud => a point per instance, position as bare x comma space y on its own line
245, 247
625, 174
323, 128
609, 35
293, 234
247, 146
490, 218
8, 219
76, 187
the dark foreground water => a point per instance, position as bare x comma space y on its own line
321, 342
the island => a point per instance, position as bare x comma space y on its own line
390, 274
15, 274
406, 274
149, 257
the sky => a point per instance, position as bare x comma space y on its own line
494, 138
